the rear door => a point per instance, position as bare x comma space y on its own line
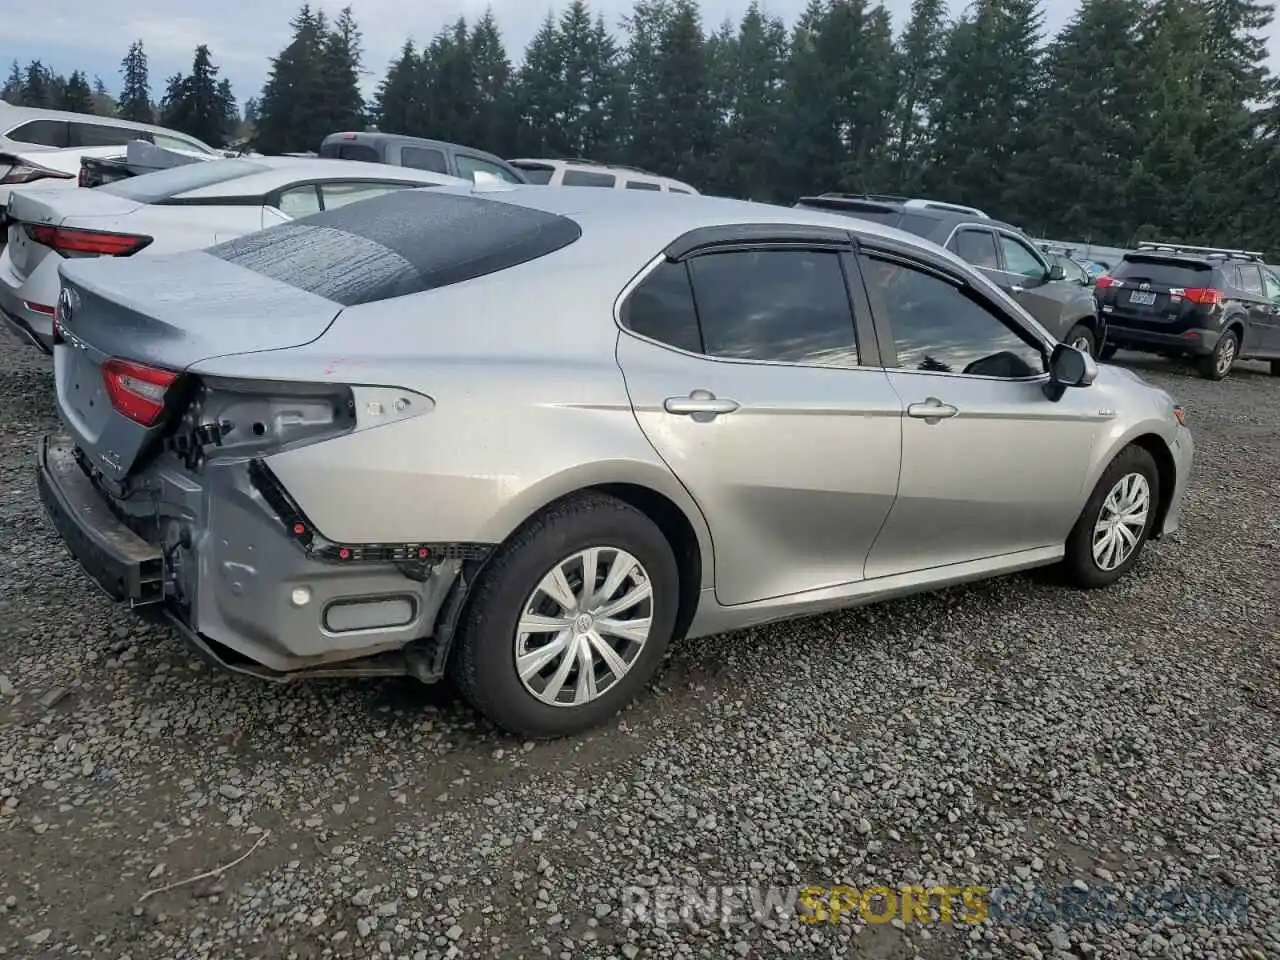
767, 402
1252, 296
1271, 332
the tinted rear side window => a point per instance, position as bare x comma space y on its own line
1169, 272
423, 158
45, 133
398, 244
167, 184
643, 185
587, 178
977, 247
102, 135
661, 308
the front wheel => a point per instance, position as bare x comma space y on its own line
1081, 337
569, 620
1116, 521
1219, 363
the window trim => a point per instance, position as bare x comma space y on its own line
866, 340
914, 260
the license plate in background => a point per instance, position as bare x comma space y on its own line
1146, 299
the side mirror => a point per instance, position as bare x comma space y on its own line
1068, 367
1056, 272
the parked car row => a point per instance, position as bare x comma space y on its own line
532, 491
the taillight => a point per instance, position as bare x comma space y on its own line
22, 172
76, 241
1206, 296
136, 390
1105, 281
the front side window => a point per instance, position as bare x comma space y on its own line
104, 135
479, 170
1020, 259
779, 305
44, 133
340, 194
977, 247
937, 327
1273, 285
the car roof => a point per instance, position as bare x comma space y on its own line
364, 136
946, 219
651, 221
277, 171
12, 114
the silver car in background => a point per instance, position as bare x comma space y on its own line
525, 436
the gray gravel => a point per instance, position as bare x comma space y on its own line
1013, 735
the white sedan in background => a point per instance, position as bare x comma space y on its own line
182, 208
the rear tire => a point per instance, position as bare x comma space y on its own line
588, 535
1114, 514
1107, 352
1081, 337
1219, 363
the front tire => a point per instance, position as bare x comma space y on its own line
1081, 337
569, 620
1116, 521
1219, 363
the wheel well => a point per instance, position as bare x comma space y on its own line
1168, 473
1236, 323
1089, 321
675, 526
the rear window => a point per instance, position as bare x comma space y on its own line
399, 244
536, 172
350, 151
1164, 270
167, 184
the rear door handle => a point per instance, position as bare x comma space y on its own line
699, 402
932, 410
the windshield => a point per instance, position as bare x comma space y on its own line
166, 184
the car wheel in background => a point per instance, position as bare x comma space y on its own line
1081, 337
1275, 368
1113, 528
1107, 352
569, 620
1219, 363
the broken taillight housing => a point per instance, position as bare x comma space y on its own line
22, 171
136, 390
75, 241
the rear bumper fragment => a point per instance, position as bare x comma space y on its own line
1134, 338
26, 331
124, 565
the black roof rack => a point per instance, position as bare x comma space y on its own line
1207, 252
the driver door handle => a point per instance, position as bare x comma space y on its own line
932, 410
699, 402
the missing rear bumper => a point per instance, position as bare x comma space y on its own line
124, 565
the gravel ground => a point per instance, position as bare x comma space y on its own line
1013, 735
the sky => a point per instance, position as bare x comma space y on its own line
243, 35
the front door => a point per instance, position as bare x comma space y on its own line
1271, 330
990, 466
758, 403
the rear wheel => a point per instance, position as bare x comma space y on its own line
569, 620
1081, 337
1219, 363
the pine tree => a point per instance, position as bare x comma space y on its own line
135, 94
11, 92
919, 85
39, 88
77, 97
398, 102
341, 68
493, 125
292, 115
541, 130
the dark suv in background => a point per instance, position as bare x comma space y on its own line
1002, 251
1215, 306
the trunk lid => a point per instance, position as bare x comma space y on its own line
55, 207
1151, 291
168, 312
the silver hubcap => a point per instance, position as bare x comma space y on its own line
1121, 521
1082, 344
583, 626
1226, 356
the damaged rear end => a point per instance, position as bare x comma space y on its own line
163, 487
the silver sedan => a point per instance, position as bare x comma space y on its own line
526, 436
